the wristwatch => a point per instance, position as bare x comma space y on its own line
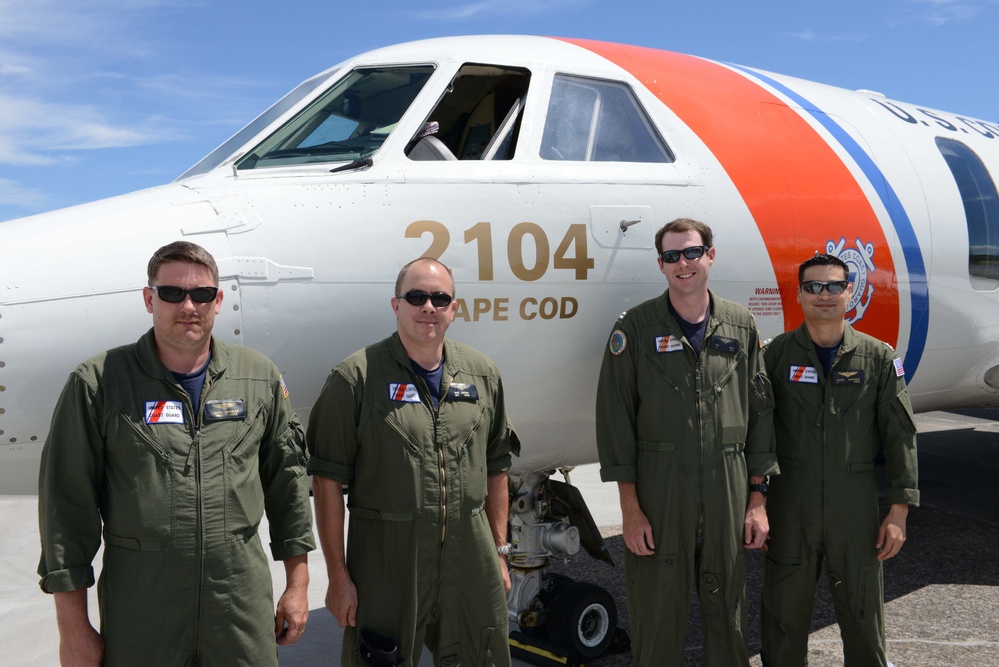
763, 488
504, 550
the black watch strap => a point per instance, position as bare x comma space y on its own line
763, 488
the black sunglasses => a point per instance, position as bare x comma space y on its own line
172, 294
816, 286
419, 297
673, 256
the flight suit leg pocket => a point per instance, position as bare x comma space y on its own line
785, 614
494, 650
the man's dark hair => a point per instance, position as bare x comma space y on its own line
682, 225
181, 251
404, 270
823, 260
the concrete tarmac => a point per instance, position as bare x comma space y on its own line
941, 591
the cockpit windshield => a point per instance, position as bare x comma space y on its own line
348, 122
226, 150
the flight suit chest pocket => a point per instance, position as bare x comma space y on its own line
140, 477
725, 382
390, 456
466, 426
244, 494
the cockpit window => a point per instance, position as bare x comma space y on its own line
598, 121
349, 122
981, 211
478, 118
229, 148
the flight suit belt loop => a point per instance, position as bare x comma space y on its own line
132, 543
738, 447
478, 509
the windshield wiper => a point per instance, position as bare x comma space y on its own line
355, 164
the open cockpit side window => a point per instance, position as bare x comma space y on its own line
349, 122
478, 118
590, 120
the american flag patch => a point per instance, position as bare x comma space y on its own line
403, 392
284, 387
899, 371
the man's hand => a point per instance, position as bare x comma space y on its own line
636, 529
757, 526
293, 607
292, 615
892, 533
341, 598
80, 645
507, 585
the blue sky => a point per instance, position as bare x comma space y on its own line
102, 97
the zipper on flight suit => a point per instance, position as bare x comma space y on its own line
442, 469
194, 458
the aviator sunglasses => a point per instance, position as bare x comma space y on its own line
172, 294
419, 297
816, 286
673, 256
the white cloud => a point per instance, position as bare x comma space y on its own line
481, 8
13, 194
33, 132
811, 36
942, 12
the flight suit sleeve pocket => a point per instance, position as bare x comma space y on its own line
903, 412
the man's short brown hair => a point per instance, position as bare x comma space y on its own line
683, 225
182, 251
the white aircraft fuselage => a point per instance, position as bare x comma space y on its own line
560, 160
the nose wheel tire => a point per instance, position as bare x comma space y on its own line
583, 619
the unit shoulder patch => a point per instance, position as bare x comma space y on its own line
618, 341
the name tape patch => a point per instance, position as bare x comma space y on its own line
462, 391
225, 409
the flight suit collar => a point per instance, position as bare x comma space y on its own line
848, 344
453, 360
715, 314
145, 351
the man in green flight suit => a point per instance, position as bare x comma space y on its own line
840, 395
684, 427
171, 449
415, 427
